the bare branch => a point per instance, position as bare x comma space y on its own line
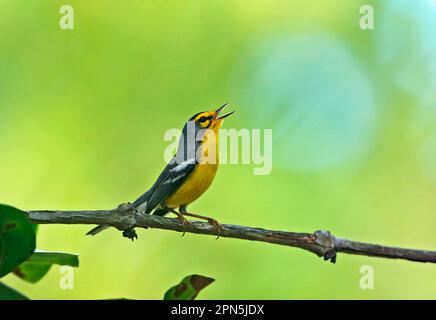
322, 243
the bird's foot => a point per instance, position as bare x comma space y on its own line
184, 222
124, 207
130, 233
216, 225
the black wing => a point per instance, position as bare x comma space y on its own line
171, 178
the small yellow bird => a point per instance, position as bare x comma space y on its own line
188, 175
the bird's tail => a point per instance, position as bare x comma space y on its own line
96, 230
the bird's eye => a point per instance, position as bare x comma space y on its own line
202, 119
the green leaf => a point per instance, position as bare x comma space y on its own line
32, 272
189, 288
7, 293
17, 239
35, 268
59, 258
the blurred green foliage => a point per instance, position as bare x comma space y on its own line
83, 113
17, 239
40, 262
18, 255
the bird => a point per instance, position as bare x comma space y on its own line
187, 176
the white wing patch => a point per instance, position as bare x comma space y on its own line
174, 179
182, 166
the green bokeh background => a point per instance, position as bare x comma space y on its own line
83, 113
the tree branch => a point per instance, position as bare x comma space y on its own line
322, 243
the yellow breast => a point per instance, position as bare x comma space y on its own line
201, 177
195, 185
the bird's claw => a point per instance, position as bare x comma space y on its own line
130, 233
216, 225
184, 222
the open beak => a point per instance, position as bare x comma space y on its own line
217, 112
